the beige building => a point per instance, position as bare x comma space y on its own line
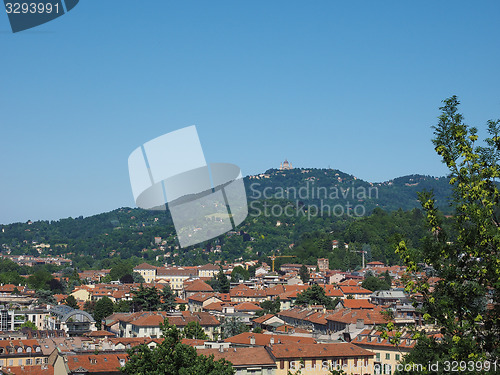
147, 324
387, 354
319, 359
208, 270
147, 271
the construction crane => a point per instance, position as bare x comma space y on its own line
274, 257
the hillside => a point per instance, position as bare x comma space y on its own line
284, 215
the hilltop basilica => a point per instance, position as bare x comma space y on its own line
285, 165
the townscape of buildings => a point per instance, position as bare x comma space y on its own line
67, 341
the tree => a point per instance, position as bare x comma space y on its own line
182, 307
40, 280
103, 308
373, 283
232, 326
173, 358
239, 273
465, 258
89, 306
167, 298
71, 302
56, 286
193, 330
387, 278
315, 295
138, 278
127, 279
220, 283
28, 324
121, 269
271, 307
45, 297
147, 299
122, 306
304, 274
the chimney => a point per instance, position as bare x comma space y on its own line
221, 349
271, 341
252, 340
360, 323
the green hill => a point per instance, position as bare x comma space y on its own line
297, 212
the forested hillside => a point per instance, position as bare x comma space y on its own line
297, 212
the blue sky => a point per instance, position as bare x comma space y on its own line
351, 85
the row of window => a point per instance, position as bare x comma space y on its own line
324, 362
27, 361
388, 356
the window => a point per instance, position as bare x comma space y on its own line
46, 360
38, 361
387, 355
378, 357
29, 361
11, 362
282, 364
397, 357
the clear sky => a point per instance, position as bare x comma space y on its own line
354, 85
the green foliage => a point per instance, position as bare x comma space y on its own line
124, 237
120, 270
56, 286
122, 306
239, 273
315, 295
40, 280
71, 302
127, 279
271, 307
103, 308
45, 297
173, 358
138, 278
257, 329
167, 299
220, 283
304, 274
147, 299
193, 330
28, 324
373, 283
89, 306
232, 326
466, 258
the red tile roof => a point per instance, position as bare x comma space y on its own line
344, 349
354, 290
241, 357
262, 339
357, 304
247, 306
198, 286
96, 362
